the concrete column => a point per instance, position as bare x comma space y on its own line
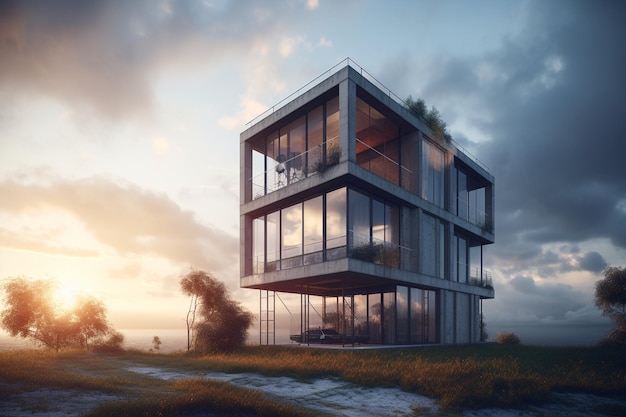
245, 172
347, 120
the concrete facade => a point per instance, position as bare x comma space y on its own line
348, 196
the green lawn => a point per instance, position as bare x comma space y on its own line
458, 377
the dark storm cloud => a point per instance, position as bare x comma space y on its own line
103, 54
526, 299
592, 261
551, 99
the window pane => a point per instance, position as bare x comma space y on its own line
462, 197
432, 165
389, 317
441, 252
292, 231
274, 171
378, 221
359, 219
360, 315
315, 126
374, 317
332, 131
258, 245
295, 132
392, 222
273, 240
431, 302
428, 246
258, 174
462, 259
402, 315
313, 225
417, 315
336, 218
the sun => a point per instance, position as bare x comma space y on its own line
65, 298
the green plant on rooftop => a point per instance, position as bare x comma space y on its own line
431, 117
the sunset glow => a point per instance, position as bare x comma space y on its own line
120, 124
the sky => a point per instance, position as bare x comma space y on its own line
120, 123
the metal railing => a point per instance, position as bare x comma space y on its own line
296, 168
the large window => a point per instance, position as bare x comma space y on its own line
291, 236
336, 224
317, 229
313, 230
432, 246
373, 228
432, 173
377, 142
296, 150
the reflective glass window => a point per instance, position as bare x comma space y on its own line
315, 137
402, 315
291, 231
272, 241
258, 245
295, 136
313, 227
389, 317
359, 219
417, 316
332, 131
432, 173
336, 218
463, 264
374, 317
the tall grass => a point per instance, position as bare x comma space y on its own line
459, 377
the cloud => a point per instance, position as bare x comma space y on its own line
312, 4
105, 56
550, 100
522, 299
592, 261
116, 215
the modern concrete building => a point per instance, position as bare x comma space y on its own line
348, 196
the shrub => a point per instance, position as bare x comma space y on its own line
507, 338
114, 343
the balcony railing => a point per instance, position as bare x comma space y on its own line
296, 168
474, 215
359, 246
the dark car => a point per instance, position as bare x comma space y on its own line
317, 336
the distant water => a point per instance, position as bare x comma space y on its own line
173, 340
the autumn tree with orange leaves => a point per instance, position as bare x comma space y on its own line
31, 313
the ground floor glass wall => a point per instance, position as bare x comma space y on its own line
398, 315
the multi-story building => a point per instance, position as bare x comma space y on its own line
348, 196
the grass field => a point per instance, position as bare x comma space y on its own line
464, 377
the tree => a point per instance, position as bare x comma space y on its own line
611, 298
31, 313
224, 323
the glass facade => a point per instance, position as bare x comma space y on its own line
433, 243
349, 213
399, 315
432, 173
296, 150
377, 142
